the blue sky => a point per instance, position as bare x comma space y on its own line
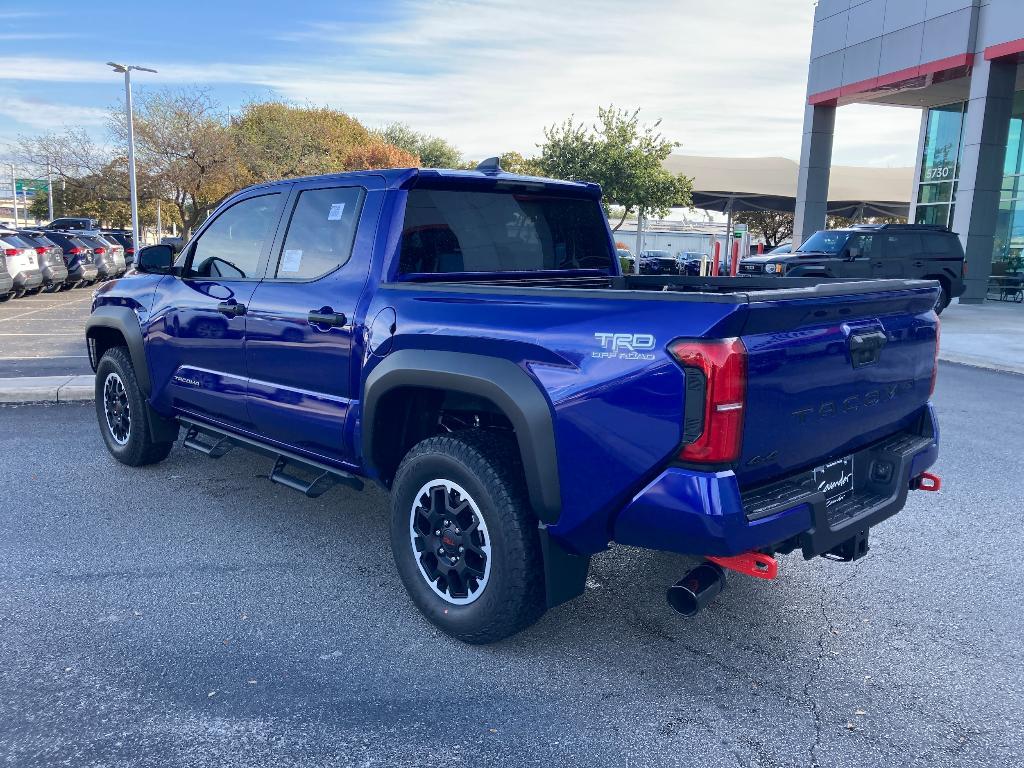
727, 78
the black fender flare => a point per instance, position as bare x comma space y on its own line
503, 383
126, 322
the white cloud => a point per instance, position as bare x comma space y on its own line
726, 78
48, 116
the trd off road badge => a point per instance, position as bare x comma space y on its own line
625, 346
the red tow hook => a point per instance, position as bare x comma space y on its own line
926, 481
754, 564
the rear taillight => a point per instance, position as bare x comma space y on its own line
716, 381
99, 251
935, 360
963, 269
40, 249
10, 251
130, 251
75, 251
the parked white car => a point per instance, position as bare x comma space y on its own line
22, 263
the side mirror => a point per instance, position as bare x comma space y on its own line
155, 260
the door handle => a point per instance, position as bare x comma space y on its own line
918, 263
330, 319
231, 308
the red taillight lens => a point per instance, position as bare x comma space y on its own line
40, 249
75, 251
720, 368
963, 269
935, 361
10, 251
99, 251
129, 250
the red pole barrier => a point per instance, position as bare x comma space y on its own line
760, 249
718, 259
735, 266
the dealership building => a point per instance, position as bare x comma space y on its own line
962, 64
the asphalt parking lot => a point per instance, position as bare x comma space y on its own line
193, 614
43, 335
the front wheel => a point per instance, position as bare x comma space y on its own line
464, 538
121, 412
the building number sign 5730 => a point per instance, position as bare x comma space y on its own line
943, 172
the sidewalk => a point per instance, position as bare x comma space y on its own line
989, 335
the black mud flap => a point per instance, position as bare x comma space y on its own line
565, 574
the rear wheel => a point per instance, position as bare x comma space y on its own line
464, 538
121, 412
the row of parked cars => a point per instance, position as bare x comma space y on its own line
66, 253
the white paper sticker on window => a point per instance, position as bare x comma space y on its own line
336, 210
291, 261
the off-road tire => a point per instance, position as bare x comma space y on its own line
139, 449
487, 465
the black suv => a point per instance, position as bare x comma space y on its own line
921, 251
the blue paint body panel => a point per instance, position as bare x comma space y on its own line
617, 420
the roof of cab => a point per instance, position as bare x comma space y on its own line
404, 178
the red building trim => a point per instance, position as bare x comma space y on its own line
831, 97
1011, 48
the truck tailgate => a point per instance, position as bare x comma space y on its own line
829, 374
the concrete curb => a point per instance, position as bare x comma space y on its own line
980, 362
47, 389
70, 389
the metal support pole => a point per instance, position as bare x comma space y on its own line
159, 223
639, 240
131, 157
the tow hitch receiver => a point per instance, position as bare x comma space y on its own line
926, 481
754, 564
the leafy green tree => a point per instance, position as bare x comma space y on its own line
276, 140
184, 149
432, 151
623, 156
775, 227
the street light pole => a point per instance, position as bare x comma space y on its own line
127, 70
49, 192
14, 195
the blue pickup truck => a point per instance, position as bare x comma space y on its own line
467, 340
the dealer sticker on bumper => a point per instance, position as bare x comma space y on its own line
835, 480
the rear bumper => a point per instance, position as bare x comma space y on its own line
53, 275
83, 272
6, 284
705, 513
28, 280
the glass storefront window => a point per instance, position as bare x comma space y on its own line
940, 165
942, 144
1009, 240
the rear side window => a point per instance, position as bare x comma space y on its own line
453, 231
943, 245
903, 246
321, 232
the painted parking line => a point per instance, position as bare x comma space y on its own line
41, 309
46, 357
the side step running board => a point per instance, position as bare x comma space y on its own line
216, 442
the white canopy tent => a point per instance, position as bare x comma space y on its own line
733, 184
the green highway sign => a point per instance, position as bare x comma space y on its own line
31, 187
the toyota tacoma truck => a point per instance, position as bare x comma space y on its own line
467, 340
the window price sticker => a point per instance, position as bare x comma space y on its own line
337, 209
291, 261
